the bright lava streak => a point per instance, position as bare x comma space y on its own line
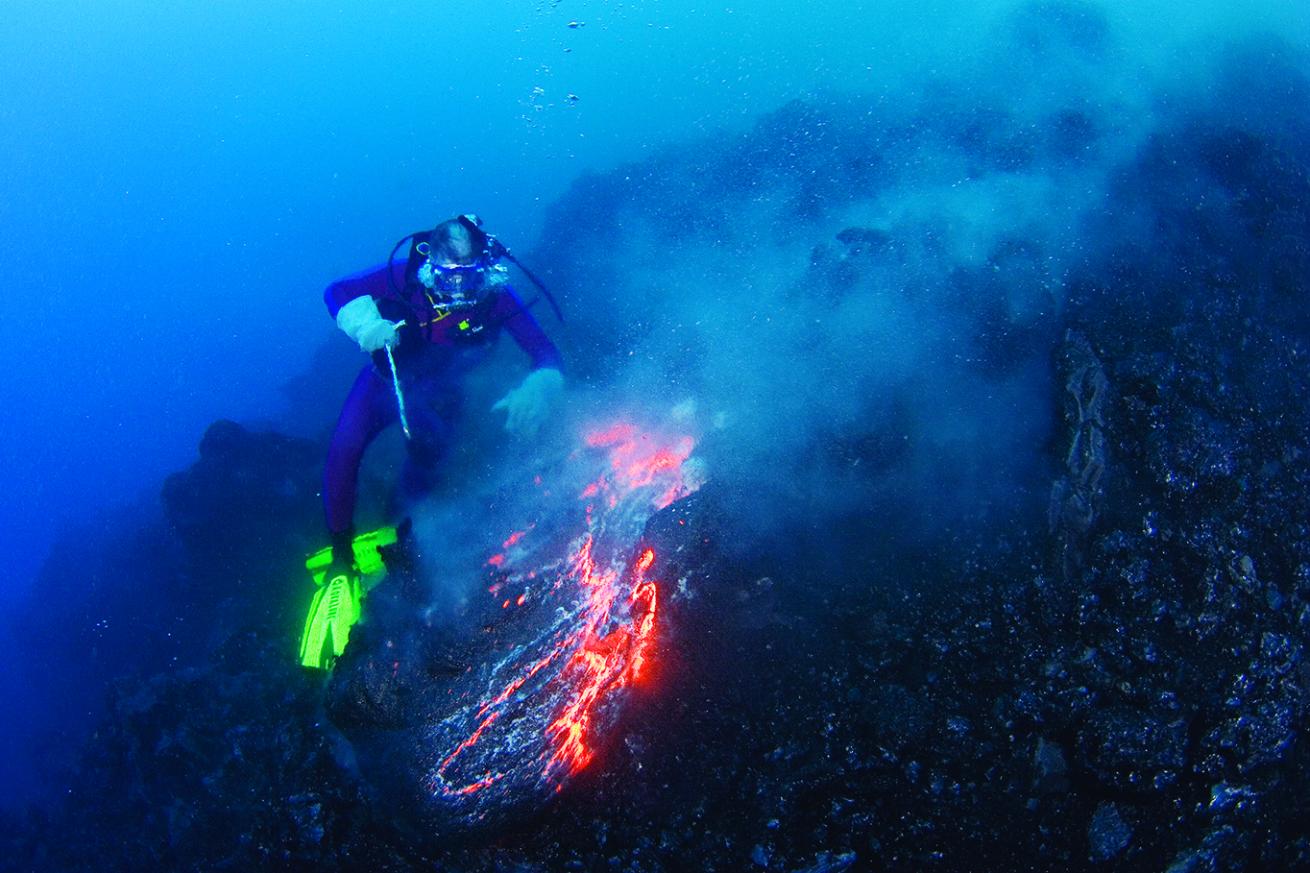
598, 619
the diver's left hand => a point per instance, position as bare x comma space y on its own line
527, 405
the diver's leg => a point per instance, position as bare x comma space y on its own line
432, 423
368, 409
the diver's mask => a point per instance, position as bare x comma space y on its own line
452, 285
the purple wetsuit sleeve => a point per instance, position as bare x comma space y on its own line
368, 409
372, 282
527, 332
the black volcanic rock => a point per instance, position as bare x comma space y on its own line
245, 488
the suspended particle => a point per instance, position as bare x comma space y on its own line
576, 24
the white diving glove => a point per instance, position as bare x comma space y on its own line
527, 405
360, 320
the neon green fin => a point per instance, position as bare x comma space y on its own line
338, 602
367, 556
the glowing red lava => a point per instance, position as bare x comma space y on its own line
598, 613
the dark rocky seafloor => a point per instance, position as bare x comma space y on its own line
1119, 682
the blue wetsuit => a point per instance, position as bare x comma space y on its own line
436, 348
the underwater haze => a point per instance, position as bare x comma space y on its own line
850, 248
181, 183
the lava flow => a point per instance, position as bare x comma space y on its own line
583, 612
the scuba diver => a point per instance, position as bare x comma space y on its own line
424, 330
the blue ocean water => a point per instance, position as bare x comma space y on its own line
181, 183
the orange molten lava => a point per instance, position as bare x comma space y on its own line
610, 639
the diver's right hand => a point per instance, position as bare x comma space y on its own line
360, 320
379, 334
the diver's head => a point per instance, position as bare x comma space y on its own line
456, 242
458, 257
